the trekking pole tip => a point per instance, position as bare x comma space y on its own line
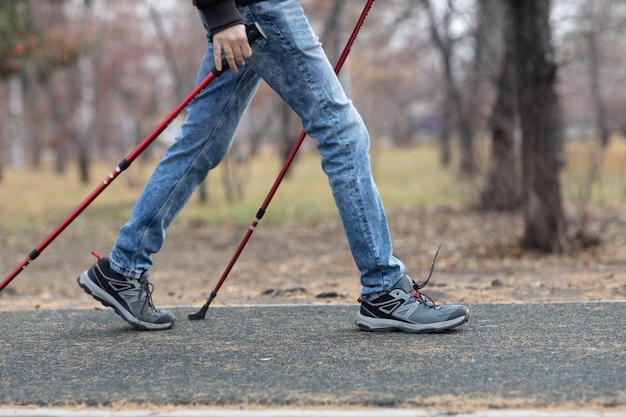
200, 314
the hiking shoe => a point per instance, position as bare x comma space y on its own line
405, 309
130, 298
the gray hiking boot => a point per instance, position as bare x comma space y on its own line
130, 298
405, 309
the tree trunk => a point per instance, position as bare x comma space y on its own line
502, 189
85, 112
60, 132
446, 132
168, 52
540, 121
85, 116
466, 138
16, 121
452, 108
594, 84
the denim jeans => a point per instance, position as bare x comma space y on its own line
294, 65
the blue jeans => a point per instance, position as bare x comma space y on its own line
294, 64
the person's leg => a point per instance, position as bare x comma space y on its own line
294, 64
204, 140
121, 281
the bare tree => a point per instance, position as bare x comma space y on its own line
84, 117
452, 107
16, 121
13, 49
166, 47
444, 46
595, 56
502, 189
540, 121
31, 50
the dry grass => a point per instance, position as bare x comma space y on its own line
300, 243
405, 177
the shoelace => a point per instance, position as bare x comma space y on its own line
425, 299
146, 288
417, 287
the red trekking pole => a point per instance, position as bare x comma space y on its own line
254, 33
201, 314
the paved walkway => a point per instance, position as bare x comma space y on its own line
291, 412
526, 356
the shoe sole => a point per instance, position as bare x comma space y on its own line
373, 324
99, 294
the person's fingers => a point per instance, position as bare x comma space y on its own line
246, 50
233, 43
232, 57
217, 55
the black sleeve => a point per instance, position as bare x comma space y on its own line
219, 14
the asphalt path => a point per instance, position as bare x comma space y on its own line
508, 356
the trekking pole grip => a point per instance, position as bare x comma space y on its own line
254, 33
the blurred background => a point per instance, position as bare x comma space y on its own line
489, 105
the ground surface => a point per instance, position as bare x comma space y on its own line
480, 261
508, 356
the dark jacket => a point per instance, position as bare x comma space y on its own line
221, 14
